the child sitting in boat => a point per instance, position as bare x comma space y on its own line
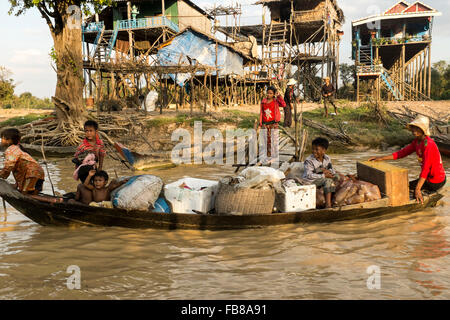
90, 154
28, 174
432, 176
319, 170
94, 190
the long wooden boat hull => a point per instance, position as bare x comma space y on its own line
444, 147
50, 151
64, 214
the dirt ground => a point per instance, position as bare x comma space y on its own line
6, 114
435, 109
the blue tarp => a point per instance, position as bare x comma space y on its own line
191, 47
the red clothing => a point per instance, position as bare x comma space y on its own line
429, 157
271, 111
85, 148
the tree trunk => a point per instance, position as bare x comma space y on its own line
68, 98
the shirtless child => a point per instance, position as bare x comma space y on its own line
97, 191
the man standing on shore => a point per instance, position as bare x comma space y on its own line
327, 94
289, 98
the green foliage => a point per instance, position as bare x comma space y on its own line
55, 7
9, 100
347, 74
440, 81
6, 84
362, 125
18, 121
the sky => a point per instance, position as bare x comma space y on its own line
27, 41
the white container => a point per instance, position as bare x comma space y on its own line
185, 200
296, 199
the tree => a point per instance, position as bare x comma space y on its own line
63, 18
6, 84
440, 66
347, 73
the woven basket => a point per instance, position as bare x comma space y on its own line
244, 201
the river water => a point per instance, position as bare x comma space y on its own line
304, 261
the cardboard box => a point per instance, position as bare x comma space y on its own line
392, 180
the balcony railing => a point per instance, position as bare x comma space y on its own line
392, 40
369, 69
151, 22
93, 26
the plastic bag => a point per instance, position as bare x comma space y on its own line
320, 198
149, 103
262, 177
341, 194
252, 172
139, 193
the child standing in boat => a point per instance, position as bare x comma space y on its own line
90, 154
270, 115
432, 176
28, 174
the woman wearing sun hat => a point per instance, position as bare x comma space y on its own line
432, 177
289, 98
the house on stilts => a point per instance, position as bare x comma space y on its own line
130, 31
392, 53
135, 39
302, 35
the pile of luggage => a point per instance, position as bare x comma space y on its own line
257, 190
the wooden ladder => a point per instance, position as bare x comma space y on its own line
275, 56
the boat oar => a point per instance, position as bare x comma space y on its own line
112, 143
5, 212
45, 163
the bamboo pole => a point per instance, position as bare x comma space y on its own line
429, 70
5, 212
192, 94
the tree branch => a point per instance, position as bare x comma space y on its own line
47, 18
52, 14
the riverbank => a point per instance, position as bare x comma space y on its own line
359, 123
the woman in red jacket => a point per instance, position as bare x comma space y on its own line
270, 115
432, 177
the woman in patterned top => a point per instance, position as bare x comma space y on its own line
28, 174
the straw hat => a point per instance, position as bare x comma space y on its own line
292, 82
421, 122
326, 78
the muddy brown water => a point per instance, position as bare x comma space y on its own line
303, 261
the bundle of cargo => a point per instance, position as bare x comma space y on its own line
139, 193
354, 191
253, 192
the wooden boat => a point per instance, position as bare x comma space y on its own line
65, 214
443, 146
442, 138
50, 151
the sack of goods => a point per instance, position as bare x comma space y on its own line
250, 193
139, 193
351, 191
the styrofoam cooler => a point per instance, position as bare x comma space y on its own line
185, 200
296, 199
